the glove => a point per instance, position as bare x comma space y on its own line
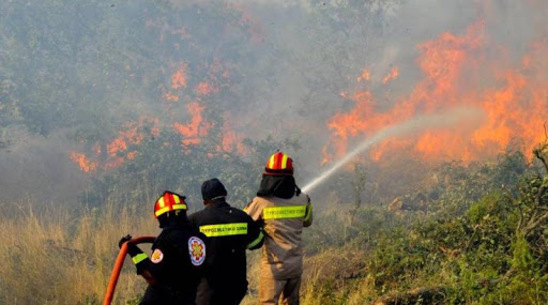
124, 240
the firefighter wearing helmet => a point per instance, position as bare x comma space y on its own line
285, 210
229, 232
172, 270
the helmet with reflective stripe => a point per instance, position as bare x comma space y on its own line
169, 202
279, 164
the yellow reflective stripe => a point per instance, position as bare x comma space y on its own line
271, 162
161, 202
161, 211
139, 258
295, 211
228, 229
308, 213
284, 161
256, 241
179, 206
166, 209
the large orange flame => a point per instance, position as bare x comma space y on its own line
458, 71
196, 128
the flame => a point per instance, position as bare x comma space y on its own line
118, 150
364, 76
232, 141
391, 76
115, 146
204, 88
124, 146
131, 155
168, 96
326, 157
458, 70
178, 79
130, 136
196, 128
86, 165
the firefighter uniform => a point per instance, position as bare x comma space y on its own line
229, 232
285, 210
173, 268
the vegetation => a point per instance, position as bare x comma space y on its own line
494, 252
481, 243
105, 105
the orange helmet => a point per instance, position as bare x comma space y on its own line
169, 202
279, 164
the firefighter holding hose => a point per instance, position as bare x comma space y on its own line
172, 270
285, 210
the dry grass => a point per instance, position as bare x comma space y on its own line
53, 258
335, 275
337, 267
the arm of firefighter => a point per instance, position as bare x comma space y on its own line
151, 269
138, 257
255, 234
307, 222
252, 209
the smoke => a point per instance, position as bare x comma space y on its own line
383, 35
417, 124
289, 69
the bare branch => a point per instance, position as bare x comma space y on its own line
516, 203
538, 154
533, 224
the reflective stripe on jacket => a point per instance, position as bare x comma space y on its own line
229, 233
284, 220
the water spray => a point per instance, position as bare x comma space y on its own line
415, 124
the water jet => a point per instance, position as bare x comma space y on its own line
415, 124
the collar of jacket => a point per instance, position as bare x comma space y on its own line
176, 223
217, 204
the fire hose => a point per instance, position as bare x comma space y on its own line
119, 263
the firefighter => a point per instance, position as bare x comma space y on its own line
172, 270
285, 210
229, 232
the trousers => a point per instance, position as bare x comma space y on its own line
271, 289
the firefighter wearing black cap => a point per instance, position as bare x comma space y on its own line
229, 232
172, 271
285, 210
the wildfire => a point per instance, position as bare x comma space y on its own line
459, 70
365, 76
178, 79
204, 88
391, 76
117, 150
192, 131
85, 164
184, 95
232, 140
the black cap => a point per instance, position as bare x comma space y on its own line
213, 189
